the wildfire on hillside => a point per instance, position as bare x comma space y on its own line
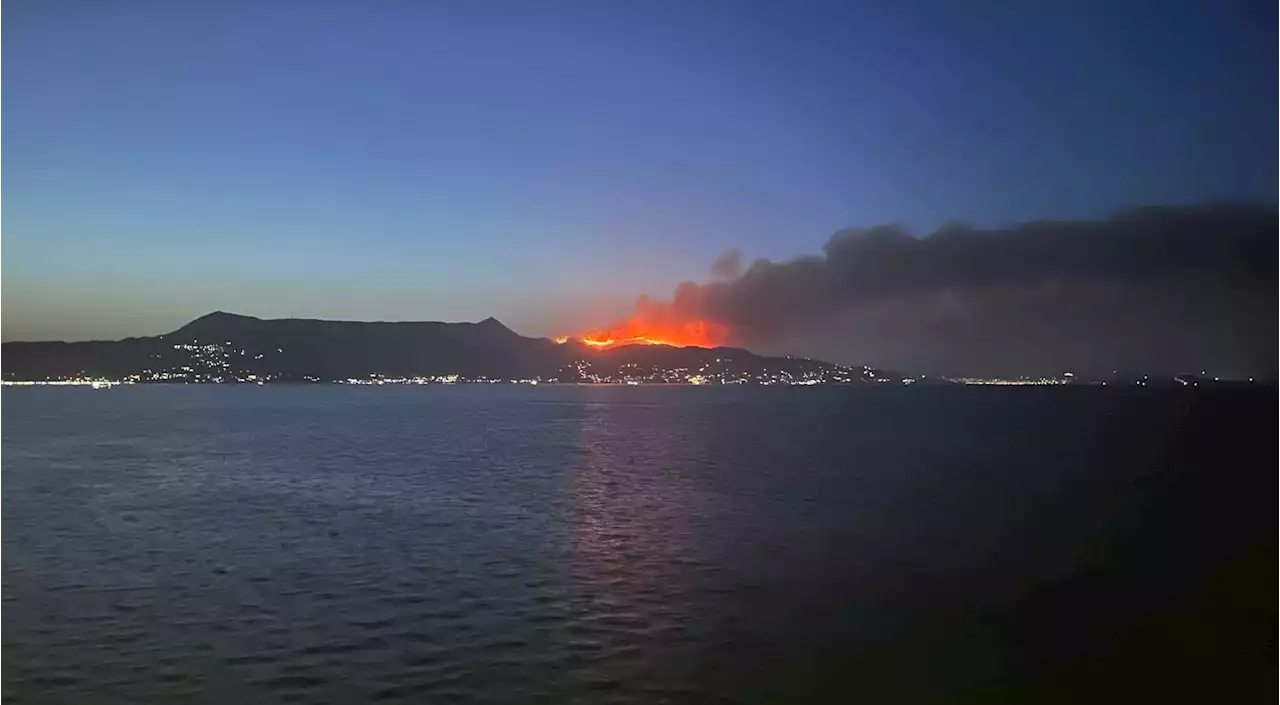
658, 323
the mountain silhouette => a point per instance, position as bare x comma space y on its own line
230, 347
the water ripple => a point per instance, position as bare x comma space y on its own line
574, 545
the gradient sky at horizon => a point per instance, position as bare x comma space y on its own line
544, 162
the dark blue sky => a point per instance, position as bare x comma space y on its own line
544, 162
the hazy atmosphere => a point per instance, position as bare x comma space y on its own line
545, 164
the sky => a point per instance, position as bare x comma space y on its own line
546, 162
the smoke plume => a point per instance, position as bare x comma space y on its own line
727, 266
1165, 288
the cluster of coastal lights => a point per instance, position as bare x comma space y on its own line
95, 382
1015, 382
712, 372
584, 375
215, 360
437, 379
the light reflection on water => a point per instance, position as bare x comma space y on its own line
596, 544
636, 503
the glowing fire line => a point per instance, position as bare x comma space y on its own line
678, 323
612, 342
696, 335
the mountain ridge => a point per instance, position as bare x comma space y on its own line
224, 318
230, 347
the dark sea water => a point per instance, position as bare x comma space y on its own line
638, 544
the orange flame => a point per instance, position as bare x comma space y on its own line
660, 323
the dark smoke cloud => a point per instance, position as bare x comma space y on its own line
1163, 288
728, 266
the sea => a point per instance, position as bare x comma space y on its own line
602, 544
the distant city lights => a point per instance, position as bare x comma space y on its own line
227, 363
